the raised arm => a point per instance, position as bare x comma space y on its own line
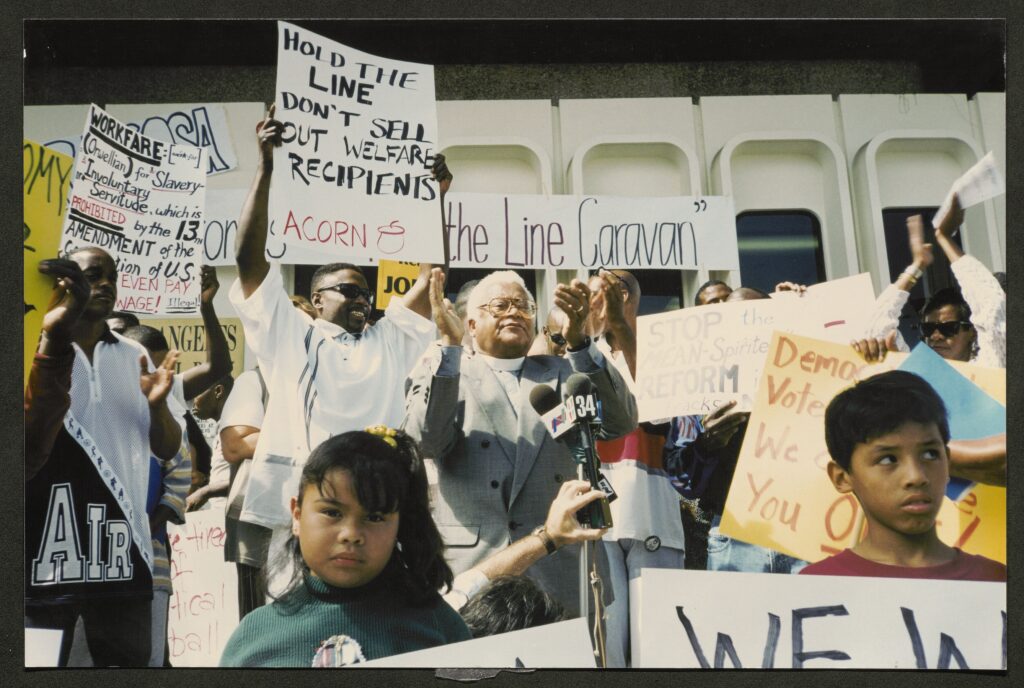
432, 399
417, 298
615, 318
889, 304
251, 240
200, 378
164, 431
48, 392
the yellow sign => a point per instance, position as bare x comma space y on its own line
46, 182
781, 496
188, 336
394, 279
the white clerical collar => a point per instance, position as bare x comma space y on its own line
511, 365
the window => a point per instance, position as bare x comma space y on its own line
897, 248
779, 246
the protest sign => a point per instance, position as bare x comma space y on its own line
204, 606
220, 220
141, 200
725, 620
837, 310
394, 279
534, 231
42, 647
203, 125
693, 360
188, 336
781, 496
562, 645
977, 184
47, 179
352, 177
972, 413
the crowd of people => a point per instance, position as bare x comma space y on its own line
390, 487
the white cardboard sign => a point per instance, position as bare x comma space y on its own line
204, 606
836, 311
693, 360
535, 231
352, 177
141, 200
562, 645
223, 212
706, 619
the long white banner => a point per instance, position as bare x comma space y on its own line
533, 231
725, 619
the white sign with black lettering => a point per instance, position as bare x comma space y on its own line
565, 231
693, 360
725, 620
352, 177
562, 645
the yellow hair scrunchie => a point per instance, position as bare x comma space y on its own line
385, 433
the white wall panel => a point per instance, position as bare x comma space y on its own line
783, 153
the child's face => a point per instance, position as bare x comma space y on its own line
899, 478
343, 545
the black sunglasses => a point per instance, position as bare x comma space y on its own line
556, 337
350, 291
946, 329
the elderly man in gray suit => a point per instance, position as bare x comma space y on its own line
498, 468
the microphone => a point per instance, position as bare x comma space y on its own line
583, 409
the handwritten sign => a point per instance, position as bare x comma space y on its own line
47, 179
692, 360
977, 184
353, 175
527, 231
562, 645
394, 279
197, 124
729, 620
141, 200
220, 220
188, 336
781, 496
836, 310
204, 606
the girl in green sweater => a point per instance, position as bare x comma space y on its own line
368, 563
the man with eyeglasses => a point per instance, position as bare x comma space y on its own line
498, 468
325, 375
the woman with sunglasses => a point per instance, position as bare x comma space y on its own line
971, 327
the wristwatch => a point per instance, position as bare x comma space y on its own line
541, 531
582, 346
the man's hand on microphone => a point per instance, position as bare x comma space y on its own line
561, 522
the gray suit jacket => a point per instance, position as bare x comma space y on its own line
498, 468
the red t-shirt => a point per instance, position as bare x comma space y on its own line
963, 567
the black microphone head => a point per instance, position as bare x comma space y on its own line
578, 383
543, 399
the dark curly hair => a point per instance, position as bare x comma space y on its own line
386, 479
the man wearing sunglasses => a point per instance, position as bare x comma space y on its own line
325, 375
498, 468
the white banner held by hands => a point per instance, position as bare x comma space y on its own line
352, 177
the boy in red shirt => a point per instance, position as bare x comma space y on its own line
887, 437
